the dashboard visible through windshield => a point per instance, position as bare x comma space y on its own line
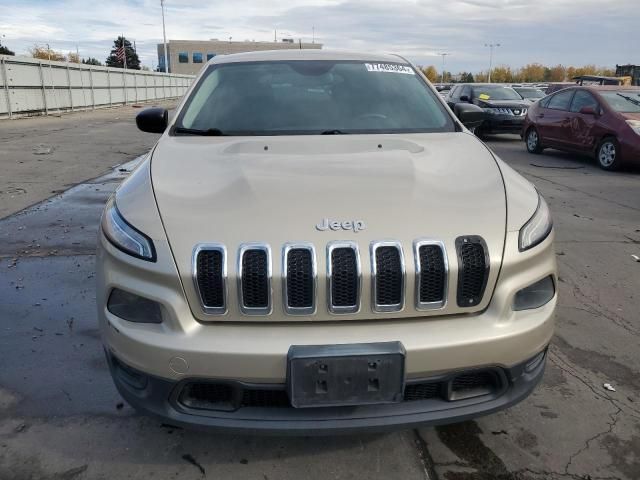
312, 97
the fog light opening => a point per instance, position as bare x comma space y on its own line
473, 384
134, 308
536, 295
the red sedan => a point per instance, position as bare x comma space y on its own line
603, 121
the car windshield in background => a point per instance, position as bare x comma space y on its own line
495, 92
625, 101
530, 92
312, 97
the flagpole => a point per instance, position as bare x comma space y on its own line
124, 77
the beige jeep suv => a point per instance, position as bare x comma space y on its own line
317, 244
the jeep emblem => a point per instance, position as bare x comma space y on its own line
355, 225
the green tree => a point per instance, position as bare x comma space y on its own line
133, 62
466, 77
5, 51
91, 61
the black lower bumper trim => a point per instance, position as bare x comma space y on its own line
159, 397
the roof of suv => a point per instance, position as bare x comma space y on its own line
306, 54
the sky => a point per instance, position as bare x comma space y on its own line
570, 32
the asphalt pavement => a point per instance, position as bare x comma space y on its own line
61, 417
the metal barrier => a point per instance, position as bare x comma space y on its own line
29, 86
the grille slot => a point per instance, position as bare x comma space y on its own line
473, 263
254, 278
208, 396
431, 274
264, 398
421, 391
474, 384
387, 263
299, 268
210, 277
343, 277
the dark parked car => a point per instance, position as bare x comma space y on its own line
530, 94
505, 109
600, 120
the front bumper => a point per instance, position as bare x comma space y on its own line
502, 124
181, 348
161, 398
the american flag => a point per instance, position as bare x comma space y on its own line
120, 53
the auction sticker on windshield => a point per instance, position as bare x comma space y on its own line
390, 68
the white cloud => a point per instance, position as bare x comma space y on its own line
546, 31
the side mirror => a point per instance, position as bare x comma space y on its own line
153, 120
588, 111
464, 98
470, 115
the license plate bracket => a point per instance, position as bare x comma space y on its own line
345, 375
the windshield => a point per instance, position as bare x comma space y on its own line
625, 101
495, 92
312, 97
529, 92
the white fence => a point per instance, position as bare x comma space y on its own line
29, 86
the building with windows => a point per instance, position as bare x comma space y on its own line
188, 56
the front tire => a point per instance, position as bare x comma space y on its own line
608, 154
532, 140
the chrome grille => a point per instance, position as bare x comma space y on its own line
431, 274
210, 274
387, 276
299, 277
343, 277
254, 279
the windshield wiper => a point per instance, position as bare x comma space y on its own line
334, 132
632, 100
211, 132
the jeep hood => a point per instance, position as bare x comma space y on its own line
274, 190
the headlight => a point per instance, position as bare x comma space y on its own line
124, 236
635, 125
537, 228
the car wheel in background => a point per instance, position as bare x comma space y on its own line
608, 154
532, 140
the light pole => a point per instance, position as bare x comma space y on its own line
443, 55
490, 45
164, 37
